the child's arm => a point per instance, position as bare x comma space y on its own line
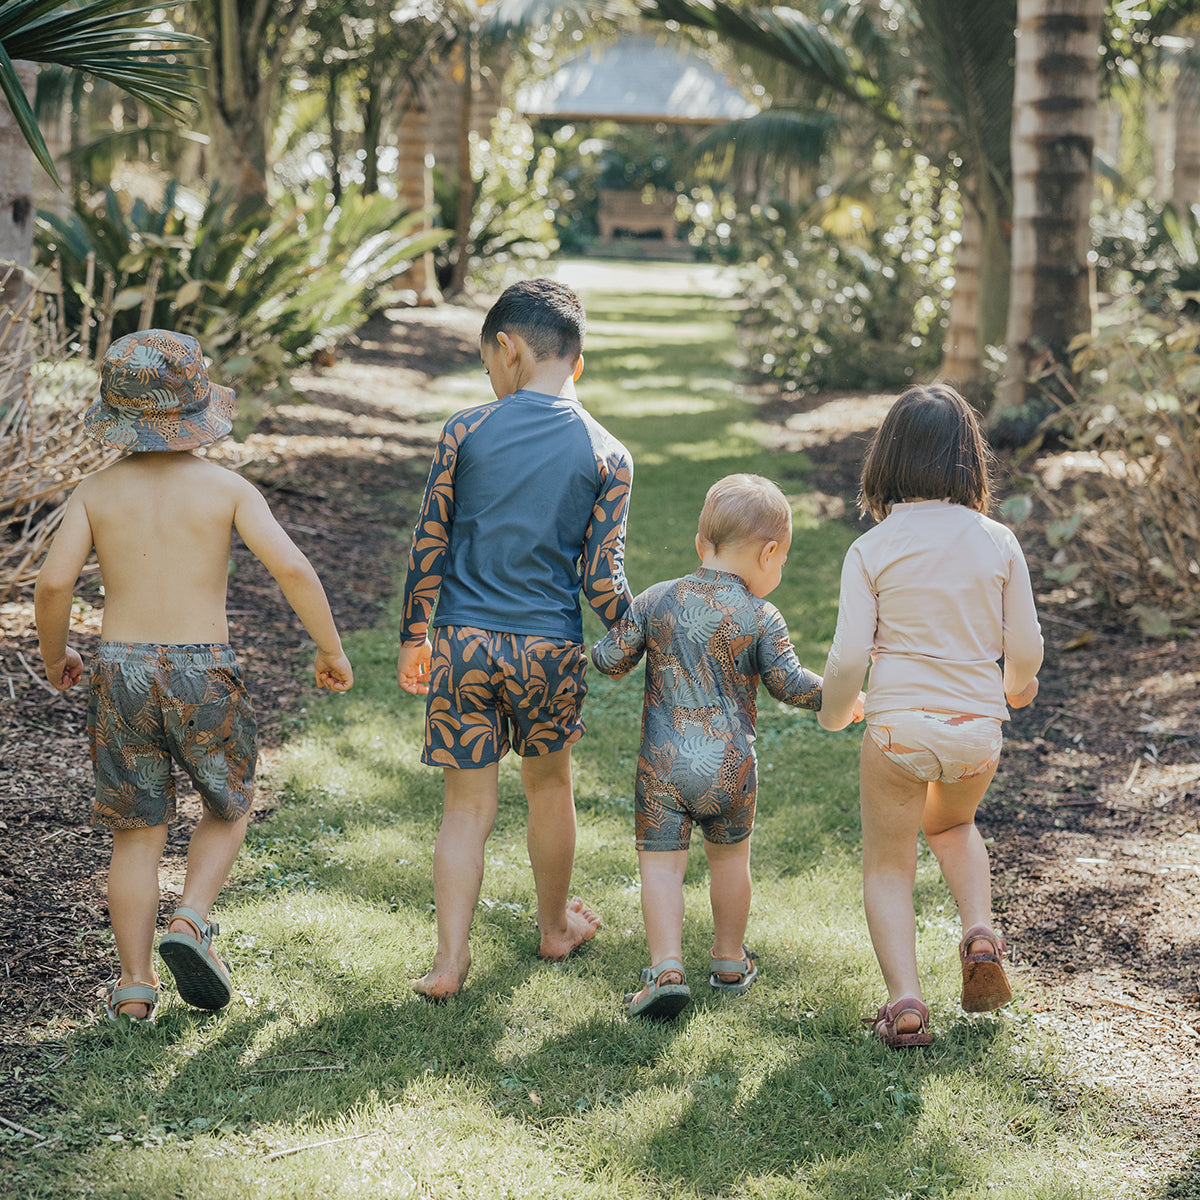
850, 654
266, 539
604, 582
622, 647
1022, 635
55, 590
427, 564
779, 668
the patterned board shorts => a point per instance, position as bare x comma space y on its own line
489, 692
952, 747
153, 705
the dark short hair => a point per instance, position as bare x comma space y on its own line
929, 447
545, 313
744, 508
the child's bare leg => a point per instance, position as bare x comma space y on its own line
133, 904
949, 826
213, 846
468, 814
662, 873
564, 924
892, 803
729, 890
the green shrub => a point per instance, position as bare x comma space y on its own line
260, 287
853, 293
512, 220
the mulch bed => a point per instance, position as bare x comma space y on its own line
1096, 852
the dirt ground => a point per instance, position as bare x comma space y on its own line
1094, 816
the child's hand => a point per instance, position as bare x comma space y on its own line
334, 671
66, 672
1025, 697
412, 669
860, 708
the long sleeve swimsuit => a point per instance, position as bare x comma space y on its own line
932, 598
708, 640
526, 503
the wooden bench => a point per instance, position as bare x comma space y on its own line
629, 212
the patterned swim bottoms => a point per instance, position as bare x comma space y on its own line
153, 705
930, 746
489, 691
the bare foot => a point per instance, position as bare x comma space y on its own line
441, 982
582, 924
136, 1009
909, 1022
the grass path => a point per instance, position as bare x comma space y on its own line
328, 1077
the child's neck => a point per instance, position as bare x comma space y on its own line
740, 559
550, 377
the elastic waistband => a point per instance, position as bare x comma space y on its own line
201, 654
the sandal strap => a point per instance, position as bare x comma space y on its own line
651, 974
734, 966
982, 933
205, 930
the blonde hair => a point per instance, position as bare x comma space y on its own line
743, 508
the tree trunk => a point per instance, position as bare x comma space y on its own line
466, 182
16, 199
1185, 174
979, 303
1053, 142
335, 134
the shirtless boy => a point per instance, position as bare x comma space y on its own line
526, 504
166, 687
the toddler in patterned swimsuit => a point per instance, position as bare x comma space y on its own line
708, 639
165, 686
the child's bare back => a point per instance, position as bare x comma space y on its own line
161, 524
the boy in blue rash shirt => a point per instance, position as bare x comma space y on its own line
526, 503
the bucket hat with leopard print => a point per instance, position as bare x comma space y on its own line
155, 394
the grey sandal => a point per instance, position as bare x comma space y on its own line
662, 1001
199, 977
746, 970
115, 998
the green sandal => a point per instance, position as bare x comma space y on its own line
746, 970
662, 1001
132, 993
198, 975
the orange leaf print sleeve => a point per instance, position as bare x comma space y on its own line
603, 559
431, 536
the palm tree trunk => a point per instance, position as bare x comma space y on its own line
16, 199
1055, 107
466, 182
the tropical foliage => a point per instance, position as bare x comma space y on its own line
255, 285
150, 61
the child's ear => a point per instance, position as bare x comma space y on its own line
701, 544
764, 555
578, 367
508, 344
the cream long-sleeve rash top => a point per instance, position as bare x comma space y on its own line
932, 598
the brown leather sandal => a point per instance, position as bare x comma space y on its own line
985, 986
884, 1024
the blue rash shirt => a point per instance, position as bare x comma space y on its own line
526, 503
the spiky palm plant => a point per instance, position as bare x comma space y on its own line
152, 63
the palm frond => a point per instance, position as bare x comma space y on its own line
153, 64
786, 35
781, 137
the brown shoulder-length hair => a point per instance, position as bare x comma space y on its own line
929, 447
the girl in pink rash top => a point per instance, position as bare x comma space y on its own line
932, 598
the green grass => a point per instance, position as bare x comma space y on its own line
533, 1083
